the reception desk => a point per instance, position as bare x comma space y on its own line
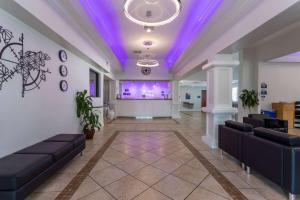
144, 108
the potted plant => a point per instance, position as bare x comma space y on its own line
88, 118
249, 98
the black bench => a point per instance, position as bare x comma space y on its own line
25, 170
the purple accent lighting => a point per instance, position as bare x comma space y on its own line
104, 17
145, 89
199, 14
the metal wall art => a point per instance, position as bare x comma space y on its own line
30, 65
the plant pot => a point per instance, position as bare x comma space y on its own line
89, 134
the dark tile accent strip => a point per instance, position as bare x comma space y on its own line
220, 178
71, 188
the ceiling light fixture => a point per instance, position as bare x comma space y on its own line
177, 4
147, 63
149, 29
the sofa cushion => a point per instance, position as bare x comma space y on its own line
278, 137
76, 139
18, 169
239, 126
56, 149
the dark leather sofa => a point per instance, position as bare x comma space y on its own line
231, 138
25, 170
261, 120
273, 154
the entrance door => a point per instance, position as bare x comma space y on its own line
203, 98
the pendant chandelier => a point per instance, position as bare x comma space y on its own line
151, 13
147, 63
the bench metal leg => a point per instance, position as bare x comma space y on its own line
243, 166
292, 196
222, 154
248, 170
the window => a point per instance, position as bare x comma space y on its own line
94, 84
235, 94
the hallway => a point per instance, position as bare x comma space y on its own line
159, 159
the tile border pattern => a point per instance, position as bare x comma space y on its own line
71, 188
220, 178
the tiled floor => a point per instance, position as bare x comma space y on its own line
147, 161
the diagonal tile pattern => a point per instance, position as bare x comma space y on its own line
147, 161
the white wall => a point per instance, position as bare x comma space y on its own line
283, 82
194, 91
43, 112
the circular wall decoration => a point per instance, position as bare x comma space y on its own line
63, 85
63, 55
63, 70
146, 71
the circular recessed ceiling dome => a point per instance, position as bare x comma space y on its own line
147, 63
152, 12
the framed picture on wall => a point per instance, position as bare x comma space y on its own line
95, 83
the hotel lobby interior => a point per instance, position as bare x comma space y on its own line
150, 100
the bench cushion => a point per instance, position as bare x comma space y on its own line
18, 169
239, 126
76, 139
278, 137
56, 149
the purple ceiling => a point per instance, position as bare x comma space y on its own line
199, 14
104, 17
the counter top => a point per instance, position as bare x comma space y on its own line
146, 99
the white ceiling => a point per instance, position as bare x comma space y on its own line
133, 35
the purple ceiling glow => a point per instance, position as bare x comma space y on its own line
104, 17
199, 14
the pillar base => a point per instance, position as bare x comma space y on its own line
215, 117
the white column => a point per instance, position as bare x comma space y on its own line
175, 100
219, 96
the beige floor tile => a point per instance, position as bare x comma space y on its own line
150, 175
43, 196
190, 174
174, 187
107, 175
131, 165
151, 194
126, 188
236, 180
101, 164
201, 193
167, 165
100, 194
148, 157
87, 187
56, 183
252, 194
212, 185
194, 163
114, 157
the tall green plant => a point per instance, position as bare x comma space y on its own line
88, 118
249, 98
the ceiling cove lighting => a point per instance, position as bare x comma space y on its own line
199, 14
149, 7
147, 63
105, 19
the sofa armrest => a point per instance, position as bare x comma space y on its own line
291, 173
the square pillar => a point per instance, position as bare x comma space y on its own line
219, 96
